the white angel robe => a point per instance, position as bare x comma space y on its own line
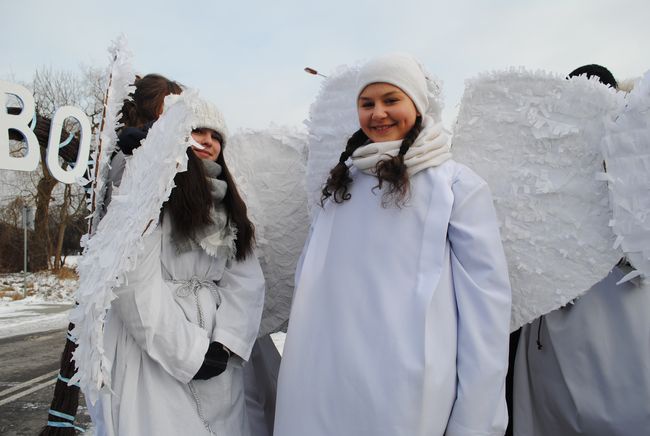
155, 344
592, 375
400, 318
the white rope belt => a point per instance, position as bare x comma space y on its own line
192, 287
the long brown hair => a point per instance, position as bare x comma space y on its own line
391, 171
237, 212
190, 203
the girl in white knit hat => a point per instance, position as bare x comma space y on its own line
400, 318
185, 320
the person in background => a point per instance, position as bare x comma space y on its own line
584, 369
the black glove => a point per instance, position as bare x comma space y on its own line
129, 138
216, 359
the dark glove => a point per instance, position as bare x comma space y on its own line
130, 138
214, 363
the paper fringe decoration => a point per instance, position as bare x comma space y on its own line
534, 137
121, 78
134, 213
626, 148
332, 120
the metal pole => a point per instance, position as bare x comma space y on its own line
25, 251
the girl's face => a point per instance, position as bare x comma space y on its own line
386, 113
209, 139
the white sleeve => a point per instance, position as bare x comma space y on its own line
241, 289
482, 290
155, 321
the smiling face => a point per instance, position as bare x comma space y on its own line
386, 113
209, 139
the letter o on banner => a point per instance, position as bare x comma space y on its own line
81, 164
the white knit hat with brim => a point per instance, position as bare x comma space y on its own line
207, 116
405, 72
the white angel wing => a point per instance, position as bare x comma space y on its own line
134, 213
332, 120
626, 147
534, 137
269, 169
119, 86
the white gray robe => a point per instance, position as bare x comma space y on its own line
155, 344
400, 318
592, 374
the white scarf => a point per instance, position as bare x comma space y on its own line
217, 239
430, 149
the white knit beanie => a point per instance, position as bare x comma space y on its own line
405, 72
207, 116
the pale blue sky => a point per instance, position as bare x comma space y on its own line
248, 57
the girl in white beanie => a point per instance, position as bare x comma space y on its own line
184, 322
400, 318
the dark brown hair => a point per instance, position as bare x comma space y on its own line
237, 212
191, 200
147, 100
393, 171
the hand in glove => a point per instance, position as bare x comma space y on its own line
214, 363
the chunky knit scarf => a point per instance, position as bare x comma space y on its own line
217, 239
430, 149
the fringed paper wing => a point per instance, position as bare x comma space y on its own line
269, 169
120, 85
534, 137
626, 147
332, 120
134, 213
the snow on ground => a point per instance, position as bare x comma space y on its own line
47, 303
35, 302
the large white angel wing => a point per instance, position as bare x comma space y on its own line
332, 120
120, 84
134, 213
534, 137
269, 169
626, 147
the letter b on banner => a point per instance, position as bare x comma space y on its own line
20, 122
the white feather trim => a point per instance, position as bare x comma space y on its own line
121, 84
534, 138
112, 251
332, 120
626, 147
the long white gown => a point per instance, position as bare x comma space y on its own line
400, 318
156, 335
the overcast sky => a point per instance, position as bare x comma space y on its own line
248, 56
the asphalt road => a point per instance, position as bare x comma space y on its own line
30, 363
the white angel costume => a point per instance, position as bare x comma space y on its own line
565, 223
585, 368
157, 333
138, 353
399, 323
